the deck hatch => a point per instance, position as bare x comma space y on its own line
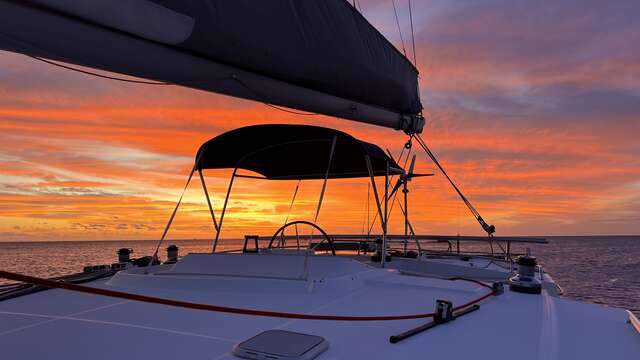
281, 344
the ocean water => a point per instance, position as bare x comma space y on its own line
598, 269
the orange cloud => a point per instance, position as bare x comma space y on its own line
542, 140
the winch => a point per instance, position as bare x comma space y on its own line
377, 256
124, 255
172, 254
525, 280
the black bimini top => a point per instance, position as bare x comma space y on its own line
293, 152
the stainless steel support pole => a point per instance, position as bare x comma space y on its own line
386, 216
326, 177
206, 194
405, 190
375, 189
368, 222
173, 215
224, 210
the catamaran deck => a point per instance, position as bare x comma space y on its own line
73, 325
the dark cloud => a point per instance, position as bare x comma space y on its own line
554, 59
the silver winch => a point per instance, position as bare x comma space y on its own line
525, 280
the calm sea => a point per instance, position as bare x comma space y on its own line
599, 269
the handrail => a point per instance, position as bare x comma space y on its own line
398, 237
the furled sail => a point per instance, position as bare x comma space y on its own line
318, 56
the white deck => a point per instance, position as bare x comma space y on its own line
66, 325
478, 268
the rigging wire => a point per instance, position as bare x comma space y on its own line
286, 220
173, 215
261, 98
368, 207
395, 11
413, 39
293, 199
289, 111
375, 216
97, 74
404, 166
365, 218
490, 229
164, 83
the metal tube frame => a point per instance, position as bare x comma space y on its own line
206, 194
324, 188
286, 220
373, 185
411, 231
386, 216
326, 177
224, 210
405, 191
173, 215
383, 219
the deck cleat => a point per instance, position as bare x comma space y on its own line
444, 311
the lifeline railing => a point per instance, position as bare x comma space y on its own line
422, 240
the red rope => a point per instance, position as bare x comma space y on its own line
475, 301
232, 310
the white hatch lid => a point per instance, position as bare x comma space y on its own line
281, 344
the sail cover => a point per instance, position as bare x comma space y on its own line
318, 56
294, 152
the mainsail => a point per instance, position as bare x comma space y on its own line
317, 56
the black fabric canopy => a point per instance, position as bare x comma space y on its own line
292, 152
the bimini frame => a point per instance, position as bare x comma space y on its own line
381, 205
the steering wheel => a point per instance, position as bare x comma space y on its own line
324, 234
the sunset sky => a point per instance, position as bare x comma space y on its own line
532, 106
